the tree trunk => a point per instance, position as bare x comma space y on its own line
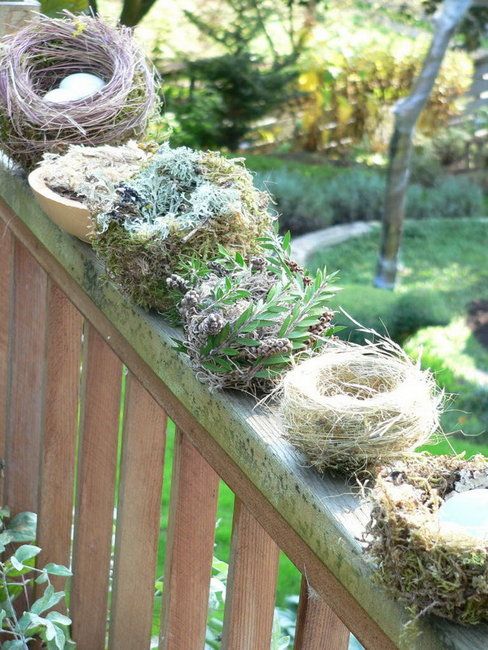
133, 11
407, 112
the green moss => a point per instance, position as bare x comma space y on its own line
183, 204
431, 571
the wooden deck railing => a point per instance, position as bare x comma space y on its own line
59, 441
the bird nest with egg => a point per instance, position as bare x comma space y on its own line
183, 204
429, 535
71, 80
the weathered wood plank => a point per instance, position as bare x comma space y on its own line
138, 514
315, 520
251, 585
318, 628
57, 471
189, 549
6, 285
97, 461
13, 15
26, 390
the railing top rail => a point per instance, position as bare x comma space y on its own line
322, 512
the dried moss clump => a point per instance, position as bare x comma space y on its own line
430, 568
91, 174
357, 405
183, 204
247, 319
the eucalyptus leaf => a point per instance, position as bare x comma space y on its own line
26, 552
47, 600
57, 570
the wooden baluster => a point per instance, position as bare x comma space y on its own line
100, 395
26, 391
318, 628
138, 520
63, 357
6, 285
189, 549
251, 585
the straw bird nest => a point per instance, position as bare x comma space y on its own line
35, 59
354, 406
183, 204
431, 568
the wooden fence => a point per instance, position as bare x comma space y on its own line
59, 441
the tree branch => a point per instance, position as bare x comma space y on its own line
407, 112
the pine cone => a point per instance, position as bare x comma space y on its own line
177, 283
257, 263
217, 268
212, 324
189, 303
272, 346
294, 266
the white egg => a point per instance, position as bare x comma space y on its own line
466, 512
82, 84
58, 96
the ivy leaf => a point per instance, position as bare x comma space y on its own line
16, 564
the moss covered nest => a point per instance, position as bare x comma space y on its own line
91, 174
354, 406
183, 204
432, 568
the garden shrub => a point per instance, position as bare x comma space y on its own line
306, 204
357, 195
449, 198
353, 89
301, 202
397, 314
450, 145
372, 308
425, 166
419, 308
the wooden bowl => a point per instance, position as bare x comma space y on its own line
69, 215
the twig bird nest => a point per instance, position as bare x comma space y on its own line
432, 567
353, 406
184, 203
91, 174
37, 58
246, 319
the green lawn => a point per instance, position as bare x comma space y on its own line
445, 269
